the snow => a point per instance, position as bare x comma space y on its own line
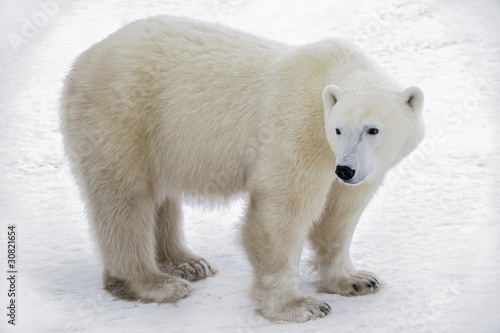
431, 233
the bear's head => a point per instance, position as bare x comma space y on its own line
371, 131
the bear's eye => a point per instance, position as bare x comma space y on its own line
373, 131
337, 131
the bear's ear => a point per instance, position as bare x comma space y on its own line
331, 95
414, 98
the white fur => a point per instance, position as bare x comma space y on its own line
168, 108
354, 113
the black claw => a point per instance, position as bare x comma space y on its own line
368, 285
324, 309
374, 283
328, 306
354, 286
374, 279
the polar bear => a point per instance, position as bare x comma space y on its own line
170, 108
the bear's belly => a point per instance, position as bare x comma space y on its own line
206, 177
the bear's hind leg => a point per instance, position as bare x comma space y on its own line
172, 254
124, 226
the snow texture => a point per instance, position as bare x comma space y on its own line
432, 232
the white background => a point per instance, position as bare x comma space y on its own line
432, 233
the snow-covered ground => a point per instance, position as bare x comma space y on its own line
432, 232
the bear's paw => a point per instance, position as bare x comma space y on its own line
300, 310
158, 289
357, 283
192, 270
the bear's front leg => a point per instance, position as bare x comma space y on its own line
331, 238
273, 235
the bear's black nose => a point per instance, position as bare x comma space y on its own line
344, 172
